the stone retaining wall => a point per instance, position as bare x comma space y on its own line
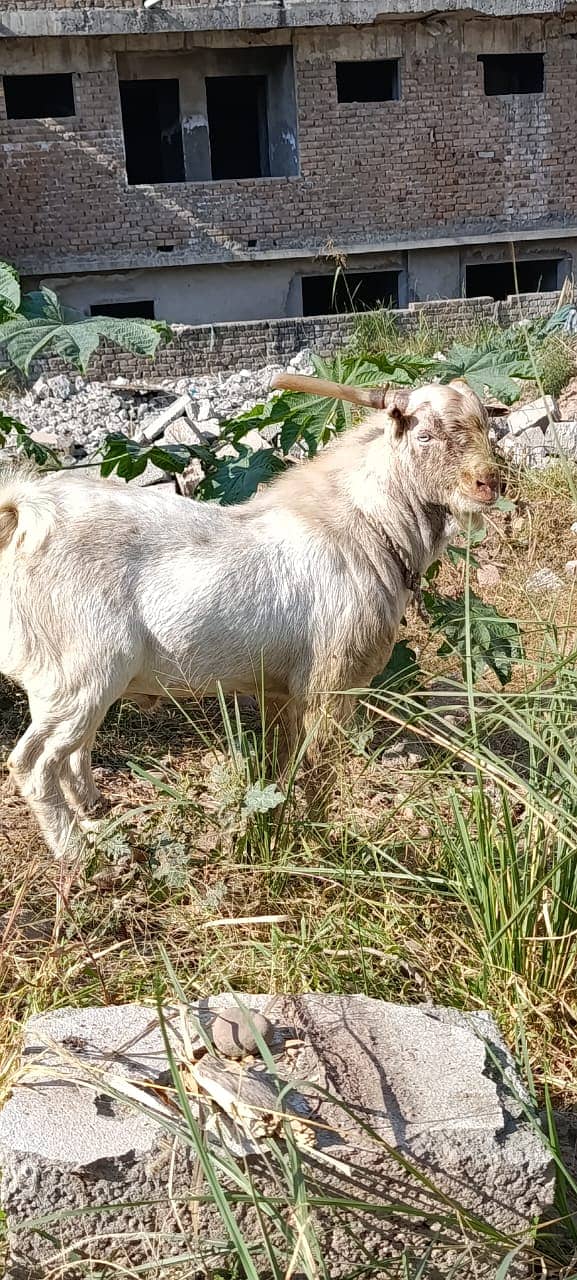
250, 345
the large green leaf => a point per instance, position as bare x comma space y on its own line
9, 289
129, 459
491, 370
236, 479
25, 337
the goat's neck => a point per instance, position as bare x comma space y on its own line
398, 516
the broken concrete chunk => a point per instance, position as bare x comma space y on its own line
182, 432
158, 425
561, 440
526, 449
367, 1082
536, 414
187, 481
254, 440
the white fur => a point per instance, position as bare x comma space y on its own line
107, 591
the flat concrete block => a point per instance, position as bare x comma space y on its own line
378, 1094
536, 414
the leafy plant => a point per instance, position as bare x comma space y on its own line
494, 641
36, 322
491, 369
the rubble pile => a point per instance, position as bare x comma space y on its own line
73, 415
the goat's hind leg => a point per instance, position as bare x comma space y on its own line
41, 759
36, 777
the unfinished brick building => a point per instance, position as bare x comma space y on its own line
204, 162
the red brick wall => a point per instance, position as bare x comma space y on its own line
369, 173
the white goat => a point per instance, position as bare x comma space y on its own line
106, 592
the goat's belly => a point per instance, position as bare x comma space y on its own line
170, 683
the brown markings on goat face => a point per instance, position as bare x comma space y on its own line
448, 436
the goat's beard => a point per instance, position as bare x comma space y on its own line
463, 515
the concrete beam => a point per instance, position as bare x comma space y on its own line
80, 263
235, 15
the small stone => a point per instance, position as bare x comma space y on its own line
204, 410
59, 387
231, 1032
528, 448
211, 428
39, 390
488, 575
574, 527
571, 568
544, 580
187, 481
254, 440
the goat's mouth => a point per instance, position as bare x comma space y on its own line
479, 489
470, 499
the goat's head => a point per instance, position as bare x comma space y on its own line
441, 434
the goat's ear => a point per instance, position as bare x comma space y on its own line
396, 406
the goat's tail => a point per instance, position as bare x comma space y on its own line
372, 397
26, 512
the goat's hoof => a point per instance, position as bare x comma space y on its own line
90, 825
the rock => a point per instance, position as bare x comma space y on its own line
254, 440
574, 527
527, 449
59, 387
232, 1032
488, 575
544, 580
561, 440
303, 362
571, 568
204, 410
187, 481
160, 422
434, 1086
39, 389
49, 439
210, 428
182, 432
536, 414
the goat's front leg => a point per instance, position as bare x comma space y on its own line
321, 719
78, 783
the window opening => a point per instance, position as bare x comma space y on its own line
238, 126
39, 97
357, 291
152, 131
374, 81
497, 279
125, 310
506, 73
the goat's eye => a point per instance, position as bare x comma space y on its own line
423, 438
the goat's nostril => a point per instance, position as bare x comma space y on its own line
489, 481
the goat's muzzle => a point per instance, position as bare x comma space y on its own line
482, 483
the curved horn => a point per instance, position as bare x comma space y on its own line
371, 397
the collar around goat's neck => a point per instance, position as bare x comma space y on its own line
411, 577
